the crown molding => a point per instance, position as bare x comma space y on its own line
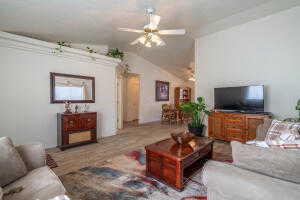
9, 40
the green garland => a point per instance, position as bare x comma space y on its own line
115, 53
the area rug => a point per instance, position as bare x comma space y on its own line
50, 161
123, 178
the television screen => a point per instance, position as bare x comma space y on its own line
245, 98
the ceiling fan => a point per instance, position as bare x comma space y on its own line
151, 31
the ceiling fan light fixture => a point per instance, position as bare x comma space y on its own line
151, 31
157, 40
142, 40
148, 44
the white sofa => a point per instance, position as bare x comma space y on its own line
25, 167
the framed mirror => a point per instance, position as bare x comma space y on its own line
72, 88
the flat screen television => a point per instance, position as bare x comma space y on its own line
240, 99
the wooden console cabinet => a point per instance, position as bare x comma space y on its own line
182, 96
76, 129
234, 126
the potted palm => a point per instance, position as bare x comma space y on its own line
198, 111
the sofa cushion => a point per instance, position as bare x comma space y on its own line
283, 134
40, 183
33, 155
12, 166
276, 162
227, 182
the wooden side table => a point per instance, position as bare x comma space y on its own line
173, 164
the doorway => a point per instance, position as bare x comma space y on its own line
131, 100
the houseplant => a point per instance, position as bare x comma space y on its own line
298, 107
297, 120
198, 111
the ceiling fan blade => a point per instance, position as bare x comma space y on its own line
135, 42
131, 30
154, 20
172, 32
141, 39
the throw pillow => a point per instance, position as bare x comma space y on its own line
12, 166
283, 134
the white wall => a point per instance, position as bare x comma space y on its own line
26, 114
150, 110
264, 51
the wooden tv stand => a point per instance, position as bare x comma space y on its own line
234, 126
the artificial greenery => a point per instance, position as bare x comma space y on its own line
64, 44
60, 45
198, 110
90, 50
115, 53
124, 69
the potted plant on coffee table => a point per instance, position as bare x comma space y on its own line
198, 111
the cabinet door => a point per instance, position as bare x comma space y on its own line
88, 121
252, 122
176, 97
70, 123
216, 126
154, 164
169, 171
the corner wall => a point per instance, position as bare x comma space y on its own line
264, 51
150, 110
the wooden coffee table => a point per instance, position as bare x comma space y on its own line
173, 164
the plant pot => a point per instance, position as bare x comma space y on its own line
198, 130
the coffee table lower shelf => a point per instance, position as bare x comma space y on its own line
191, 170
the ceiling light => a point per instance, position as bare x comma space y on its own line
142, 40
157, 40
148, 44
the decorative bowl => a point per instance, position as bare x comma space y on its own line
182, 138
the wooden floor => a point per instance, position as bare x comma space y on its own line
128, 139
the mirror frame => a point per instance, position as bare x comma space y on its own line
52, 88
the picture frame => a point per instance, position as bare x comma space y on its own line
162, 91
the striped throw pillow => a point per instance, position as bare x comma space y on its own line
284, 134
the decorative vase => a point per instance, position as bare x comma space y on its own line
198, 130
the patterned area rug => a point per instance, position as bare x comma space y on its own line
123, 178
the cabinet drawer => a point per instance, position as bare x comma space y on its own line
234, 120
88, 121
235, 134
70, 123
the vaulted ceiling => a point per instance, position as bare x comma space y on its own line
97, 22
